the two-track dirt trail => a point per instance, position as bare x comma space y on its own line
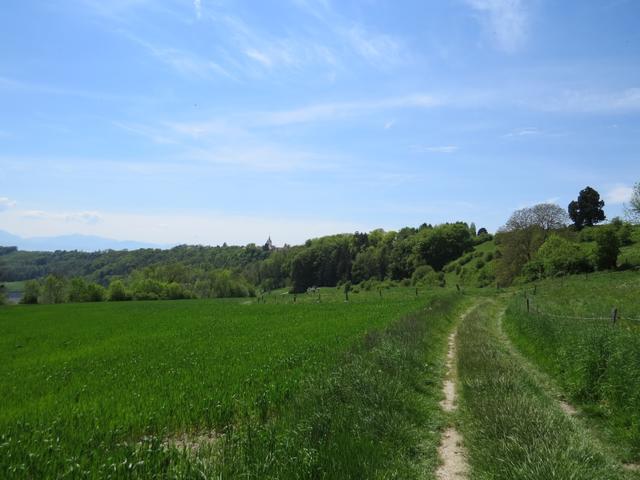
512, 422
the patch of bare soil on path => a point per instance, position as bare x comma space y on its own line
453, 456
449, 386
193, 442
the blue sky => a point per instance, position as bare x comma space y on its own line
180, 121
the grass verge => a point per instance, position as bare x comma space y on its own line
512, 427
596, 364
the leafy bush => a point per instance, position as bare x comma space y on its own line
608, 248
53, 290
117, 292
427, 276
31, 292
558, 255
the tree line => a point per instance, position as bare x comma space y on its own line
535, 242
412, 254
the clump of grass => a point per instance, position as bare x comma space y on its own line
513, 429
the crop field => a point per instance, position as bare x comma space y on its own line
109, 390
569, 333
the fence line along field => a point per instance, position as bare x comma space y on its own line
570, 333
84, 386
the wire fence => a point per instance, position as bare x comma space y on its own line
531, 308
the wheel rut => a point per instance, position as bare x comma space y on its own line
453, 456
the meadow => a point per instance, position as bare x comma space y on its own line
133, 389
569, 333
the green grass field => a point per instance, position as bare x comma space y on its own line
596, 363
98, 390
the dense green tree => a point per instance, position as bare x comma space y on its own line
403, 259
53, 290
440, 245
607, 248
425, 275
303, 270
77, 290
558, 256
31, 292
587, 209
95, 293
368, 264
117, 292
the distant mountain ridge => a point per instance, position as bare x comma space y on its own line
85, 243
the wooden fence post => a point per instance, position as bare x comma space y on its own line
614, 315
528, 307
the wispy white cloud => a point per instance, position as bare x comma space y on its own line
582, 101
145, 131
113, 8
259, 57
39, 88
329, 111
211, 128
435, 149
524, 132
378, 49
83, 217
389, 124
197, 6
34, 214
317, 8
618, 195
183, 62
263, 157
507, 21
6, 203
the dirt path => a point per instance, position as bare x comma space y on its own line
451, 451
449, 386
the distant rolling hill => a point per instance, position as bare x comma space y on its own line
86, 243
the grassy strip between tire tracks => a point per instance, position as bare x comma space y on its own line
513, 429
